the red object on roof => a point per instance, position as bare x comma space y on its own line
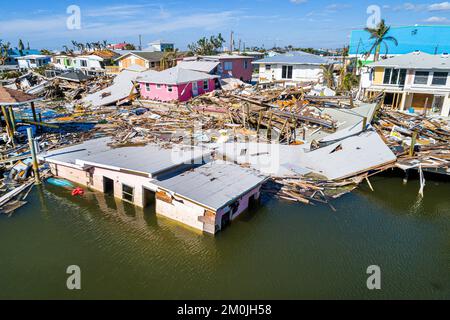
118, 46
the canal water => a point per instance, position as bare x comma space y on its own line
279, 251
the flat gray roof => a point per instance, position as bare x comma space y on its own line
150, 159
214, 184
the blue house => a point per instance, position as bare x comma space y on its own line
15, 53
429, 39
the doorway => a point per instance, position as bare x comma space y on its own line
438, 104
108, 185
194, 89
148, 197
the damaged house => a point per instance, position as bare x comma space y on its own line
416, 82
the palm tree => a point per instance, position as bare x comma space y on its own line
21, 47
169, 59
379, 34
343, 72
4, 51
327, 72
75, 44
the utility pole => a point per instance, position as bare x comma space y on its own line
239, 45
140, 42
33, 155
231, 41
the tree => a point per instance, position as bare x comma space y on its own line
379, 34
343, 72
4, 51
349, 82
169, 59
46, 52
205, 46
327, 72
21, 47
130, 46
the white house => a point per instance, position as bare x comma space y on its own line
291, 68
417, 82
159, 46
33, 61
90, 64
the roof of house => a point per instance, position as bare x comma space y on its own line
214, 185
9, 97
202, 66
105, 54
175, 75
150, 159
146, 55
223, 56
33, 56
76, 76
295, 57
25, 52
415, 60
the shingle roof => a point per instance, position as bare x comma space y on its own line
295, 57
214, 184
175, 75
14, 97
415, 60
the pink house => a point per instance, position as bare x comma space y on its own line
176, 84
233, 65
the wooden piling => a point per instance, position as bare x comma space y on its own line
33, 156
413, 144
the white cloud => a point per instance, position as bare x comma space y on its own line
298, 1
436, 19
338, 6
443, 6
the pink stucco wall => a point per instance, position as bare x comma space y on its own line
181, 92
239, 71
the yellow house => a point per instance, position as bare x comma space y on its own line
148, 60
416, 82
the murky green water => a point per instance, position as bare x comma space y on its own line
281, 251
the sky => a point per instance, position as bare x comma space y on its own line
301, 23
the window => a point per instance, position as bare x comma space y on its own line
245, 64
287, 72
228, 65
421, 77
158, 86
439, 79
205, 85
394, 76
387, 76
147, 87
153, 64
127, 193
169, 88
268, 67
83, 63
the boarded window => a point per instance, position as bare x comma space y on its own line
127, 193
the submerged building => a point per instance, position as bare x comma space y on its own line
185, 183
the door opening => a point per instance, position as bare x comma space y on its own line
108, 185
